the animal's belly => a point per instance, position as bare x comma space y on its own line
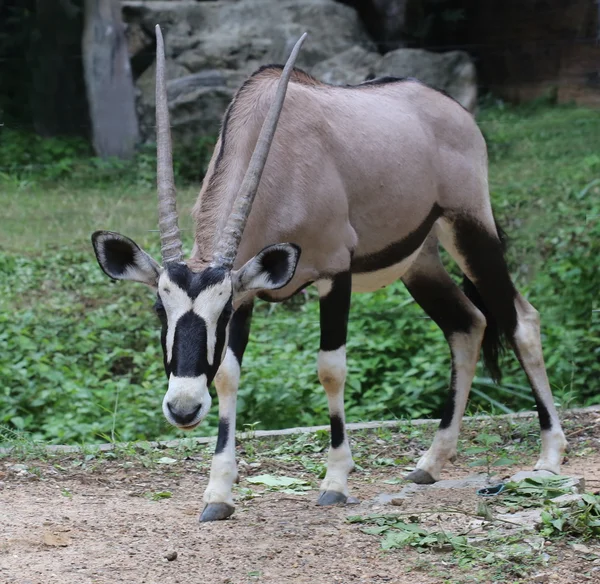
371, 281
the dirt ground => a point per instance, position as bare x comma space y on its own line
75, 526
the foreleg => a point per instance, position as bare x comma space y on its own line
334, 309
218, 495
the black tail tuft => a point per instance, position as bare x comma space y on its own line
493, 345
496, 333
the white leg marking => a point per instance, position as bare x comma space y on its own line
529, 347
465, 353
332, 374
223, 471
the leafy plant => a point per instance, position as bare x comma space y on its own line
579, 518
71, 342
485, 448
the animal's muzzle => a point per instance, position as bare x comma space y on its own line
183, 417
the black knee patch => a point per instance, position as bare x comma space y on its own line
337, 431
223, 435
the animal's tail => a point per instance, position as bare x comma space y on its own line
498, 309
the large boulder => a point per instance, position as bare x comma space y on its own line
211, 47
452, 72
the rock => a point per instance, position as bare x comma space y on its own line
584, 549
350, 67
531, 474
235, 39
529, 518
566, 499
170, 556
452, 72
385, 20
471, 482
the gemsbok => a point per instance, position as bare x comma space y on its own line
350, 189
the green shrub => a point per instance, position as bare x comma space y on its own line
80, 357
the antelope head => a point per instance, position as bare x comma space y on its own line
194, 307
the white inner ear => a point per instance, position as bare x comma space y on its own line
253, 276
145, 269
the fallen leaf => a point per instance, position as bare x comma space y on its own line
166, 460
275, 481
56, 539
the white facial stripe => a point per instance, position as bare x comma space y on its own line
209, 305
176, 302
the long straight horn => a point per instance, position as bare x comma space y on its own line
170, 238
232, 234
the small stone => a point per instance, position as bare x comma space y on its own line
584, 549
170, 556
540, 578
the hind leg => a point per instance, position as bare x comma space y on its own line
527, 346
475, 246
463, 326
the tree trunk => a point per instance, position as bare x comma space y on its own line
108, 80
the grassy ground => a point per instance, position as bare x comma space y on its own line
79, 356
96, 505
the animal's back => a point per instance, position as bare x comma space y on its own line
351, 169
391, 150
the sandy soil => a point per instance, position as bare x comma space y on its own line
80, 527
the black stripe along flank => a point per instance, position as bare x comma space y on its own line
396, 252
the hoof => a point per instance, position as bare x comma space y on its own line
331, 498
216, 512
420, 476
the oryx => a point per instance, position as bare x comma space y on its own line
360, 185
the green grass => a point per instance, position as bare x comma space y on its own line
80, 358
41, 218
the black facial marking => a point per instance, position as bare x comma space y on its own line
189, 347
221, 334
223, 435
239, 330
492, 291
118, 256
396, 252
337, 431
333, 312
159, 309
195, 282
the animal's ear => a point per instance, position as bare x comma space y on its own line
270, 269
122, 259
